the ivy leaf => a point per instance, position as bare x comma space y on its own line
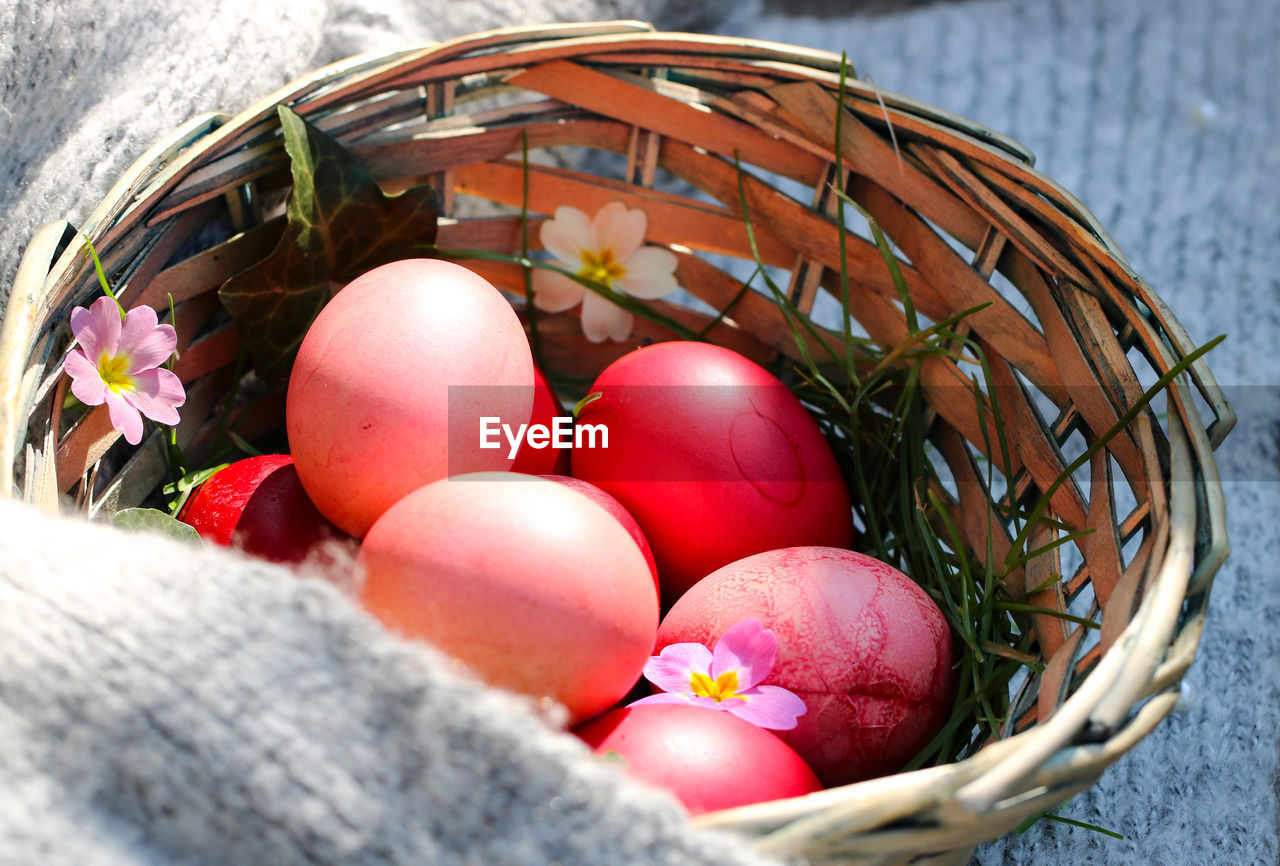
340, 224
152, 520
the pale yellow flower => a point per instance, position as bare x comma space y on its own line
609, 250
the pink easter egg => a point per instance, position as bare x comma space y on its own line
391, 381
530, 584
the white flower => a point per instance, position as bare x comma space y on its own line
607, 250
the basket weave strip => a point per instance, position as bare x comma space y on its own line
709, 128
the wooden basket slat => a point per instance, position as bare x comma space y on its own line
1051, 631
774, 215
210, 268
976, 516
1029, 436
999, 324
437, 150
209, 353
612, 97
1078, 375
190, 317
867, 153
672, 220
1103, 545
982, 198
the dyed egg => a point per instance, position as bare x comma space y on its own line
258, 505
714, 457
708, 759
532, 585
865, 648
391, 382
614, 507
547, 460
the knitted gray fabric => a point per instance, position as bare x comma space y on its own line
1164, 118
161, 703
158, 709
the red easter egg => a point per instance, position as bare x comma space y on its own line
864, 646
532, 585
714, 457
708, 758
614, 507
392, 380
258, 505
548, 460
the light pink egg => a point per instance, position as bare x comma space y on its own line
865, 648
532, 585
391, 381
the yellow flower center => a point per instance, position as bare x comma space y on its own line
722, 688
600, 267
113, 370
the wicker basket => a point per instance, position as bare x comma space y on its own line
973, 221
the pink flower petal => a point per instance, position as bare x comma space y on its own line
650, 273
672, 698
769, 707
750, 649
619, 229
157, 394
602, 319
566, 235
144, 342
86, 383
97, 329
672, 669
554, 292
124, 417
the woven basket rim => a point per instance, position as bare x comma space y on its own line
1115, 705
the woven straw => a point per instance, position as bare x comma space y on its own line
1070, 334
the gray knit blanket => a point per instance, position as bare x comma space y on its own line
160, 707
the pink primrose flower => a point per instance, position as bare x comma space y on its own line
727, 679
118, 363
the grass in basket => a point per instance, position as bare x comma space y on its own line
870, 406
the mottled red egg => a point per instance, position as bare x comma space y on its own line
258, 505
864, 646
714, 457
708, 759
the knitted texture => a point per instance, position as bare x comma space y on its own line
163, 703
85, 88
1164, 119
165, 708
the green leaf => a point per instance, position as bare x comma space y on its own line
611, 756
151, 520
340, 224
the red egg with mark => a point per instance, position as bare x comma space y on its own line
708, 759
714, 457
864, 646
